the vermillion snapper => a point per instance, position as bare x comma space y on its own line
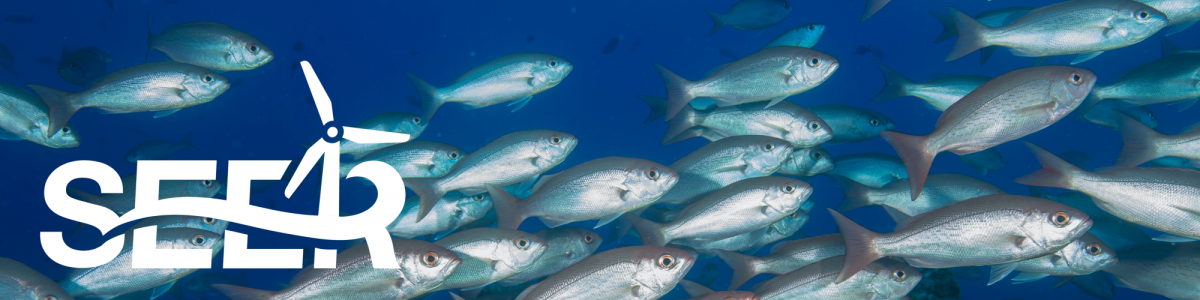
23, 117
636, 272
118, 277
1181, 14
490, 255
724, 162
211, 45
451, 212
415, 159
1084, 256
871, 169
1171, 79
1143, 144
882, 279
20, 282
400, 122
785, 120
991, 18
124, 202
783, 259
735, 209
938, 94
941, 190
1169, 270
565, 247
514, 77
807, 162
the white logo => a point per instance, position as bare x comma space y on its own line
327, 224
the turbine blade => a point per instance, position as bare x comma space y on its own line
324, 107
367, 136
307, 163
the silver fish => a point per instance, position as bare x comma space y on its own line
805, 36
23, 117
1172, 162
986, 160
701, 292
940, 190
987, 230
20, 282
515, 77
1166, 200
783, 260
991, 18
1143, 144
735, 209
769, 75
211, 45
451, 212
490, 255
808, 162
415, 159
852, 124
118, 276
1108, 113
1096, 285
1006, 108
871, 169
566, 246
785, 120
399, 122
163, 222
1121, 236
1167, 270
1083, 27
1181, 14
753, 240
162, 87
751, 15
882, 279
635, 272
724, 162
1077, 200
158, 149
508, 160
601, 189
1165, 80
938, 93
84, 65
1084, 256
124, 202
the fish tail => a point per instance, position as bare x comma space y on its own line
1055, 173
1089, 102
970, 35
242, 293
695, 289
718, 21
896, 85
187, 141
1039, 192
428, 191
658, 107
430, 100
678, 95
1140, 143
948, 28
873, 6
59, 104
508, 208
680, 128
859, 251
917, 157
1168, 47
986, 53
652, 233
744, 267
856, 193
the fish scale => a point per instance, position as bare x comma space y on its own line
617, 274
102, 281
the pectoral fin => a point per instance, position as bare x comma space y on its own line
1025, 277
1185, 104
160, 290
608, 219
1171, 238
1086, 56
165, 113
775, 101
519, 103
1000, 271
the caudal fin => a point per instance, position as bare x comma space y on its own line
678, 95
949, 30
970, 35
508, 210
916, 156
873, 6
859, 251
744, 267
695, 289
59, 104
856, 193
427, 189
680, 128
658, 107
718, 21
895, 86
986, 53
1057, 173
652, 233
1141, 143
242, 293
430, 101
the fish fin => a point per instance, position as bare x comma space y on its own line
430, 99
186, 141
620, 228
695, 289
948, 28
859, 251
1180, 27
456, 296
1000, 271
873, 6
1018, 241
971, 35
520, 102
176, 291
1185, 104
986, 53
1039, 192
652, 233
9, 136
775, 101
678, 94
913, 150
744, 267
855, 193
429, 193
607, 219
658, 107
897, 216
1085, 57
682, 127
1168, 47
1171, 238
718, 21
59, 105
242, 293
149, 38
1141, 143
1088, 103
165, 113
1121, 283
1056, 172
1025, 277
525, 294
161, 289
896, 85
1040, 60
470, 293
507, 206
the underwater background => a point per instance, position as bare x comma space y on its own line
362, 49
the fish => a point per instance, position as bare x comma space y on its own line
19, 281
124, 202
881, 279
398, 122
163, 222
1121, 236
490, 255
1108, 113
986, 160
513, 78
805, 35
808, 162
987, 230
23, 117
1170, 79
753, 240
724, 162
162, 87
601, 189
871, 169
1078, 200
1169, 48
785, 120
991, 18
565, 247
770, 74
943, 189
1161, 199
84, 65
873, 6
451, 212
508, 160
211, 45
1143, 144
610, 46
1096, 285
1008, 107
1167, 270
852, 124
750, 15
118, 277
298, 46
19, 19
646, 272
1171, 162
1181, 14
1084, 256
938, 94
740, 207
158, 149
1085, 28
423, 268
783, 260
701, 292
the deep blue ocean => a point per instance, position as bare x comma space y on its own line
361, 50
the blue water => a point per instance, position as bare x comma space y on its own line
362, 50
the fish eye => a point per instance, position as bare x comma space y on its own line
666, 261
68, 130
1093, 249
50, 297
1143, 15
198, 240
454, 154
899, 275
816, 155
1060, 219
793, 215
416, 120
587, 238
1150, 114
814, 126
730, 298
430, 259
789, 188
653, 173
522, 243
253, 48
208, 78
552, 63
874, 122
555, 139
768, 146
1076, 79
811, 27
477, 197
207, 183
72, 66
210, 221
814, 62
